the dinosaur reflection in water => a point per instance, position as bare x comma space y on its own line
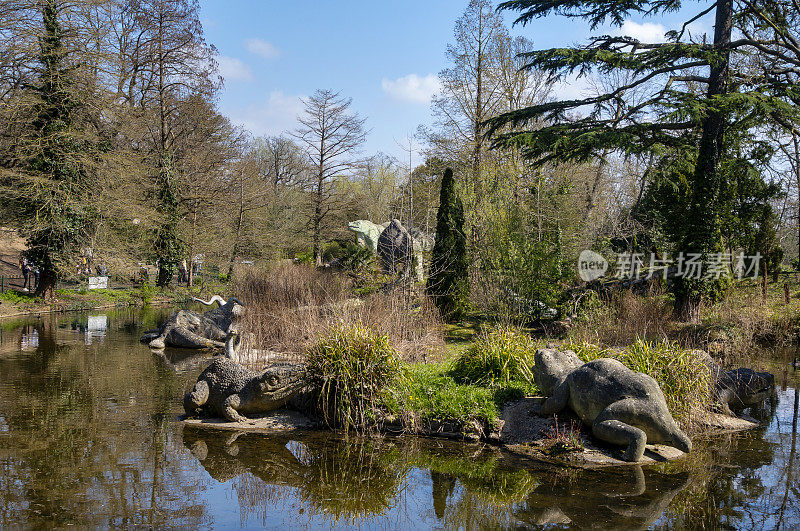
470, 485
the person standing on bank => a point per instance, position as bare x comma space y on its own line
26, 271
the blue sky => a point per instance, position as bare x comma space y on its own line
384, 55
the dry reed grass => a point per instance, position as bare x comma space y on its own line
288, 306
621, 320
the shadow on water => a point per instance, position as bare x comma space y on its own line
89, 436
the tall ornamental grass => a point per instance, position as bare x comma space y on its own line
496, 358
350, 366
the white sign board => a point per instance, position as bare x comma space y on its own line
98, 282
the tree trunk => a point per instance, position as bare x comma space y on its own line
702, 235
47, 285
318, 224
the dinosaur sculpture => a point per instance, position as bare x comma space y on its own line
393, 244
228, 390
367, 233
189, 329
622, 406
743, 388
739, 389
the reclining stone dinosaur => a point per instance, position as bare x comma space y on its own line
227, 390
622, 406
188, 329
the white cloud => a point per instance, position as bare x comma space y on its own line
263, 48
233, 69
275, 116
572, 87
412, 88
645, 32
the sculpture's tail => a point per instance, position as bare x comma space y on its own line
212, 300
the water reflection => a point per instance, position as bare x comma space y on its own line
89, 436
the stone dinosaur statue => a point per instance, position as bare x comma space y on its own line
739, 389
622, 406
367, 233
397, 244
743, 388
395, 247
188, 329
225, 389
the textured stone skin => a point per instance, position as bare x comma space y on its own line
743, 388
739, 389
188, 329
622, 406
226, 389
552, 367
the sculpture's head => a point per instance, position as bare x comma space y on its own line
681, 441
278, 383
360, 225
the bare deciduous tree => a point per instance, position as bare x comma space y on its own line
331, 135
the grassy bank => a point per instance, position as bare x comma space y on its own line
13, 303
731, 329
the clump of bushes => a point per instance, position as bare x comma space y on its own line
496, 359
289, 305
351, 365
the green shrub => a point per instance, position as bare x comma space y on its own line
146, 293
17, 297
350, 366
496, 358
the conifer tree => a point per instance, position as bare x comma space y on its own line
448, 282
743, 83
54, 162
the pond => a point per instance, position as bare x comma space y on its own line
89, 436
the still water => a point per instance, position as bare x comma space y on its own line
89, 436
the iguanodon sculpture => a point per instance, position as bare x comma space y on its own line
188, 329
393, 244
622, 406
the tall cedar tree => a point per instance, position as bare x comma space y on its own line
448, 282
56, 206
738, 95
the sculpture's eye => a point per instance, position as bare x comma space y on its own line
273, 381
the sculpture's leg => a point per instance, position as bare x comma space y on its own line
724, 398
229, 409
608, 428
196, 398
558, 401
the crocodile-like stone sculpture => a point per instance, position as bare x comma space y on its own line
743, 388
228, 390
622, 406
188, 329
738, 389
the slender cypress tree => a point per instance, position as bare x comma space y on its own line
448, 281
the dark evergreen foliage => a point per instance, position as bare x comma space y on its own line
448, 281
750, 81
